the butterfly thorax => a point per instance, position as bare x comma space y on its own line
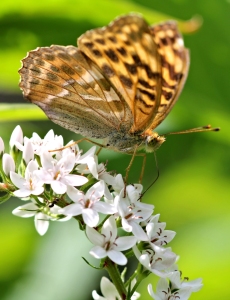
128, 143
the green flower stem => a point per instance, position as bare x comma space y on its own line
138, 271
139, 279
87, 185
115, 276
128, 282
99, 226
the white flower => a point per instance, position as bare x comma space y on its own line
2, 146
41, 220
108, 244
110, 292
16, 136
133, 192
57, 173
118, 184
89, 204
133, 212
156, 233
190, 286
158, 261
89, 165
84, 159
50, 142
8, 164
31, 184
165, 290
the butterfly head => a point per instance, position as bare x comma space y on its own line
153, 141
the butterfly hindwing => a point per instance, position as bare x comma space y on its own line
73, 92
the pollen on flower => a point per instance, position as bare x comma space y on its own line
128, 216
31, 184
87, 203
57, 175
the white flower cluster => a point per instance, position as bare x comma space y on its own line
60, 183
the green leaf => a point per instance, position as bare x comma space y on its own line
4, 198
20, 112
97, 268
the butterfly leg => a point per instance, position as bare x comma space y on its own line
130, 164
101, 147
79, 141
143, 166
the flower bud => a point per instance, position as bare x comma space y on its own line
28, 152
2, 147
8, 164
16, 136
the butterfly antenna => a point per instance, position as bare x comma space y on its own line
158, 174
198, 129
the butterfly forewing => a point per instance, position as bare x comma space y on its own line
127, 55
73, 92
174, 66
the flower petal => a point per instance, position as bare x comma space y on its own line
125, 242
90, 217
41, 223
117, 257
94, 236
73, 209
98, 252
25, 211
75, 180
58, 187
105, 208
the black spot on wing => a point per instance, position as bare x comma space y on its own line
89, 45
64, 56
96, 52
145, 84
113, 39
100, 41
126, 81
54, 69
150, 95
122, 51
52, 76
107, 70
131, 68
136, 59
68, 70
111, 55
167, 95
49, 57
35, 70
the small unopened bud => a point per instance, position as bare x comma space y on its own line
2, 147
16, 136
28, 152
8, 164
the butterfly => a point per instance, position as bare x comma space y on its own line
118, 84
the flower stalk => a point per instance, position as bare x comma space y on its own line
115, 276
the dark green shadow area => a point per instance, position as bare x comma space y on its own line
16, 27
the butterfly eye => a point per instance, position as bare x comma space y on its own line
153, 142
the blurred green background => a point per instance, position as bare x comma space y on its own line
192, 194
